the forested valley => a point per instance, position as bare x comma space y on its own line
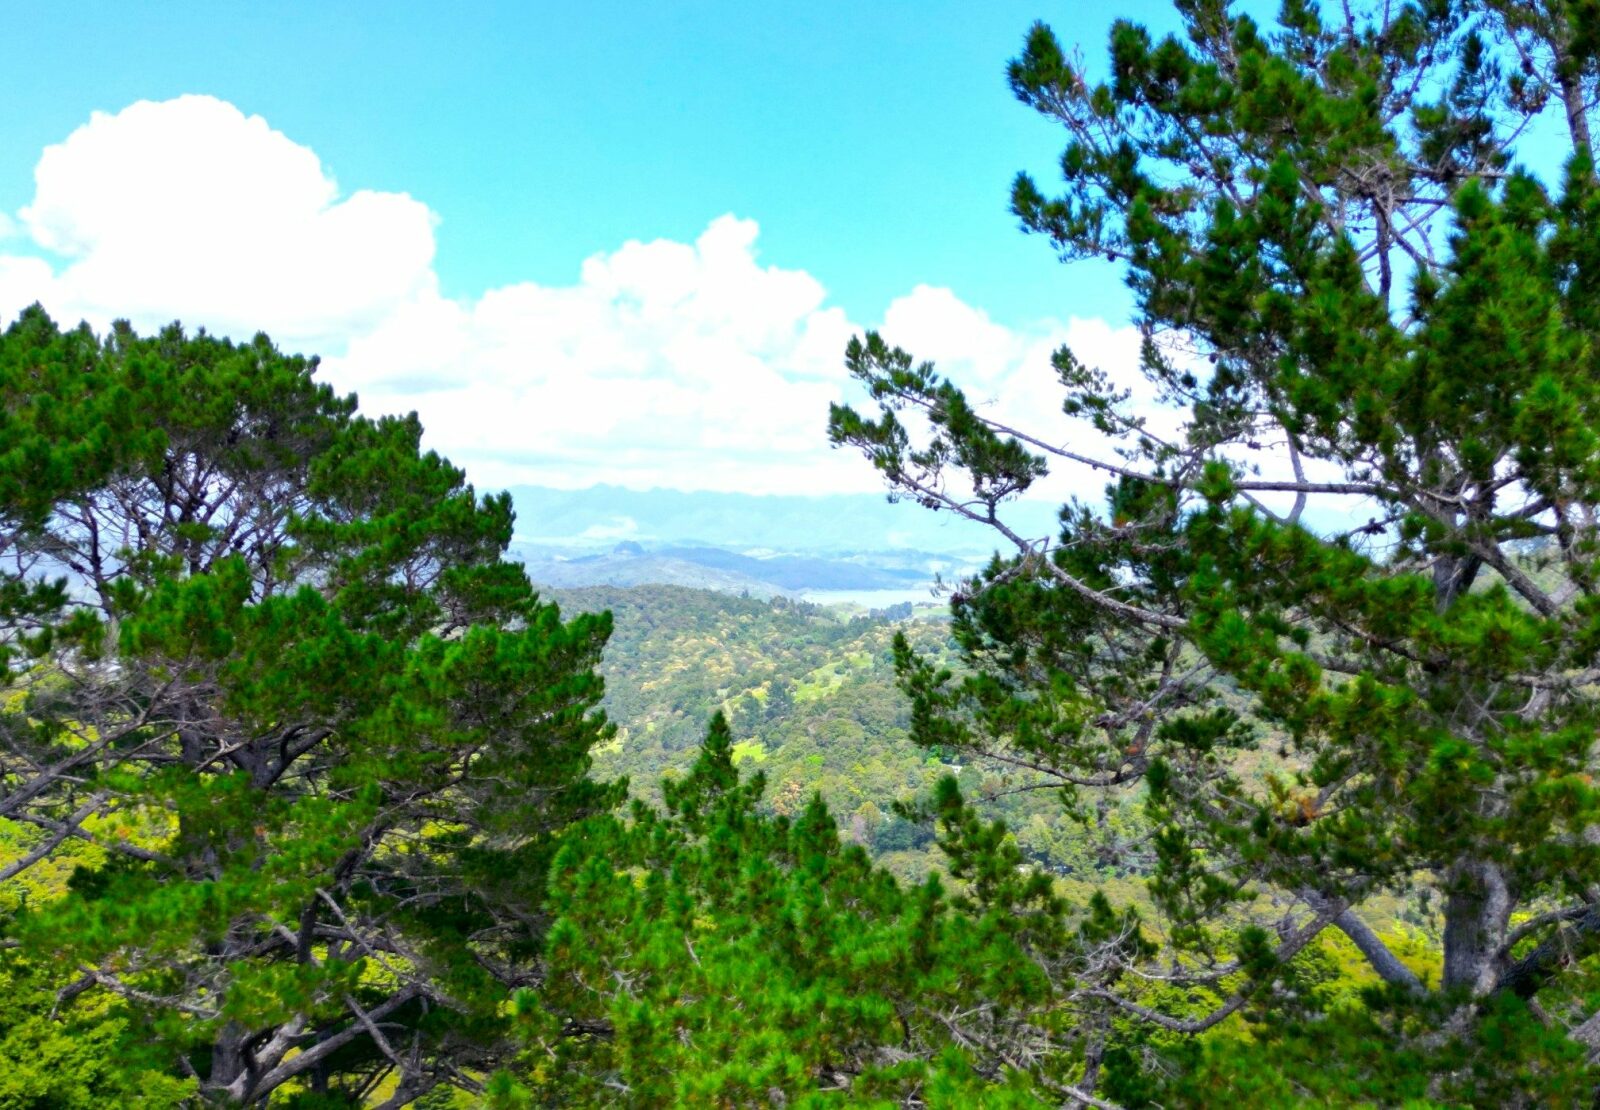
810, 698
1264, 777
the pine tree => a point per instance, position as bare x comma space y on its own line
1355, 290
268, 666
714, 954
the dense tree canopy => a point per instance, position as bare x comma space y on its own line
1366, 275
309, 732
718, 955
295, 794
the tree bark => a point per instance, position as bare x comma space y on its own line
1477, 915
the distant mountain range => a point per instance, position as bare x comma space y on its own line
712, 568
629, 568
800, 572
832, 524
741, 543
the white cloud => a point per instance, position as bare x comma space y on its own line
687, 365
1008, 374
933, 323
620, 528
690, 365
191, 209
23, 281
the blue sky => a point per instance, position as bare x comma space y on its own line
873, 142
606, 242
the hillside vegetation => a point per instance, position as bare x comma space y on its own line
311, 800
812, 701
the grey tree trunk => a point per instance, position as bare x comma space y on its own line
1477, 916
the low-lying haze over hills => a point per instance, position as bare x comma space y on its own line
832, 523
763, 545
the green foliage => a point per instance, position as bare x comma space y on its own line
314, 731
715, 954
1351, 286
813, 692
1373, 1053
809, 690
93, 1054
295, 803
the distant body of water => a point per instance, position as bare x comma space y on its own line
872, 599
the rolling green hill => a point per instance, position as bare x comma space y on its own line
811, 696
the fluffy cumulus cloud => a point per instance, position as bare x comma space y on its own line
1010, 376
191, 209
684, 364
691, 365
